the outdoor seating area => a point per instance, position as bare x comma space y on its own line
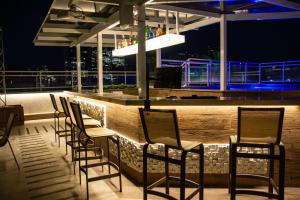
183, 128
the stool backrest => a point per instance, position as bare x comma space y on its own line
82, 136
53, 102
160, 126
7, 130
260, 125
65, 106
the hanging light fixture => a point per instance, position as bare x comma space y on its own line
163, 41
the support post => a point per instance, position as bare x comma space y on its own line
158, 58
138, 75
223, 53
78, 59
142, 67
100, 64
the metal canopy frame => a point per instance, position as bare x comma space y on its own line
65, 27
60, 28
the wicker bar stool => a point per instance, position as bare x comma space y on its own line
258, 128
86, 137
161, 127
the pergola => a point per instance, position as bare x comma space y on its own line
100, 23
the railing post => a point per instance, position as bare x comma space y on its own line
259, 73
246, 72
40, 80
189, 73
283, 72
125, 74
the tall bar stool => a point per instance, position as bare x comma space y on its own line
73, 143
57, 115
4, 137
70, 122
258, 128
87, 137
161, 126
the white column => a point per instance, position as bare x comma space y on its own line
141, 51
78, 60
223, 53
158, 58
100, 63
138, 84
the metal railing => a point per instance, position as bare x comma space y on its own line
207, 72
195, 72
21, 81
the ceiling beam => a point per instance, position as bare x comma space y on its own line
66, 44
263, 16
197, 25
284, 3
96, 20
112, 21
70, 39
65, 30
82, 31
183, 10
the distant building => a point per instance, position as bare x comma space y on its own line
89, 59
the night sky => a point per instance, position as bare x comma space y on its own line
247, 41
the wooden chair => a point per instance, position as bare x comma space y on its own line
161, 127
258, 128
4, 137
86, 137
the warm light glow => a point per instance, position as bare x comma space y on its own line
152, 44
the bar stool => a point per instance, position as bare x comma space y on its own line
57, 115
258, 128
161, 126
4, 137
70, 123
87, 137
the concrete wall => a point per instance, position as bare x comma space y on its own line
34, 104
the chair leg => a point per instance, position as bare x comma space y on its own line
182, 175
201, 172
14, 155
271, 170
229, 170
145, 171
58, 131
281, 172
55, 130
119, 163
66, 137
108, 156
233, 172
79, 161
86, 173
167, 170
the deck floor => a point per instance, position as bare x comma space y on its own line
47, 173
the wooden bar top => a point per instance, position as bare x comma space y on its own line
198, 100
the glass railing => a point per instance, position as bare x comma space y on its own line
207, 72
24, 81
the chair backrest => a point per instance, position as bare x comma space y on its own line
79, 121
53, 102
260, 125
65, 106
160, 126
72, 117
7, 130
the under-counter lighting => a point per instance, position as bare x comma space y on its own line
151, 44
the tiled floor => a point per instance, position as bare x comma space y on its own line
47, 173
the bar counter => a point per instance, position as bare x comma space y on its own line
210, 121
